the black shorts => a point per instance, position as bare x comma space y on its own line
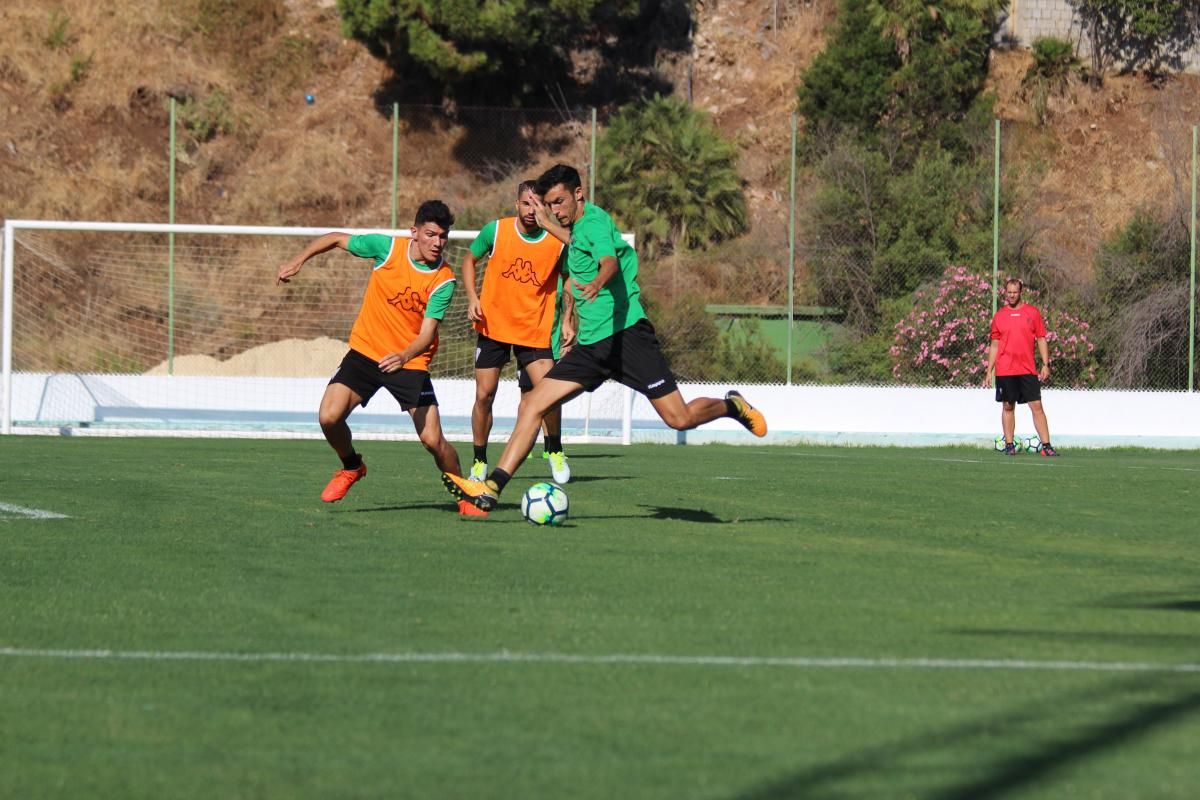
490, 353
411, 387
1018, 388
524, 382
632, 357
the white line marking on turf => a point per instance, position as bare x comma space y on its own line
506, 657
30, 513
959, 460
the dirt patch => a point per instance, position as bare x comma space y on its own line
289, 358
1102, 154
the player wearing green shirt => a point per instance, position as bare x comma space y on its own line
614, 340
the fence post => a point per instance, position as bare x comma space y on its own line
996, 219
791, 252
1192, 293
171, 247
592, 164
395, 158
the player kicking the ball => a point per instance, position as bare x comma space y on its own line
393, 339
615, 340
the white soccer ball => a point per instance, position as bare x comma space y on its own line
545, 503
1031, 444
999, 442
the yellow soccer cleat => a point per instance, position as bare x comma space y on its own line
748, 415
482, 494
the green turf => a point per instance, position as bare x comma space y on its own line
223, 547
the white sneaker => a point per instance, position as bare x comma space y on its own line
478, 471
560, 470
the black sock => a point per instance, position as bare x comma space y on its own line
553, 444
352, 461
481, 452
500, 478
1046, 443
731, 409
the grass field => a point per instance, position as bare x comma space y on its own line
714, 622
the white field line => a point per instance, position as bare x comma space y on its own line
30, 513
507, 657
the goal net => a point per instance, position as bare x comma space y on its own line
140, 328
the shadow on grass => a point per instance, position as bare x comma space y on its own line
1154, 601
1002, 755
682, 515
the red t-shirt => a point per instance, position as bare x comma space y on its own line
1016, 329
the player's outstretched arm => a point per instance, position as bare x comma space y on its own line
288, 269
993, 350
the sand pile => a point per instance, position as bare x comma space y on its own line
289, 358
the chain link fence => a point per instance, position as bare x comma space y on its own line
842, 267
833, 265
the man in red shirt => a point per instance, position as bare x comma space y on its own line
1015, 329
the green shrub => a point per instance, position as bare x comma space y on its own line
1053, 62
666, 171
906, 73
59, 35
208, 118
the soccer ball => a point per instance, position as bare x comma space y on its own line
545, 504
1031, 444
999, 442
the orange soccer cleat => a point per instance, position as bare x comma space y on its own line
467, 509
341, 482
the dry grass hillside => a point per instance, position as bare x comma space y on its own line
83, 120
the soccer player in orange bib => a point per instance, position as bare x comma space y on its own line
515, 315
393, 339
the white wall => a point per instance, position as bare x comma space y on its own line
819, 414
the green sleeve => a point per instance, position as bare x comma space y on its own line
371, 245
439, 301
598, 234
484, 241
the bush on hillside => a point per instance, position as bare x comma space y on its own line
666, 171
944, 340
876, 231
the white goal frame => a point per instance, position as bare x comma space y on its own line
7, 253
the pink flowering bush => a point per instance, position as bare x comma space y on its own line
945, 338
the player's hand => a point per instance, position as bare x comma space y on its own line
566, 340
589, 290
392, 362
540, 212
1044, 373
288, 270
474, 310
987, 379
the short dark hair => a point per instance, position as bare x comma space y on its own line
434, 211
530, 185
559, 173
1020, 284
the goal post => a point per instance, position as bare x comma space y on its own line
113, 328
